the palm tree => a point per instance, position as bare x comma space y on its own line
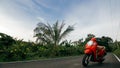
48, 34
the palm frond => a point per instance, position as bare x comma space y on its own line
67, 31
51, 34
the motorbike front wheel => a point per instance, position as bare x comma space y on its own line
85, 60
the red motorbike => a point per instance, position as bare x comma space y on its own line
91, 54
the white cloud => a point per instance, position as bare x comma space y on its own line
15, 28
100, 17
45, 4
15, 19
94, 17
40, 19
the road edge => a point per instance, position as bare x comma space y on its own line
40, 60
117, 57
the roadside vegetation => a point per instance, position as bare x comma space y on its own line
117, 48
50, 43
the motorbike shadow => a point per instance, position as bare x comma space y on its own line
98, 65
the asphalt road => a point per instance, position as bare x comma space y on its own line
70, 62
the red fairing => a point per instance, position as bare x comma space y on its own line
88, 51
90, 47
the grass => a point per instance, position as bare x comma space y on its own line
117, 52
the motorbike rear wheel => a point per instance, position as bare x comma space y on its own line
85, 60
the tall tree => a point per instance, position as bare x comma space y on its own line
6, 40
48, 34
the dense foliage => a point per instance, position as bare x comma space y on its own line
47, 34
117, 48
21, 50
49, 44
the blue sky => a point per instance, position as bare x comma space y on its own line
18, 18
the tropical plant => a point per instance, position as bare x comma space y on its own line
6, 40
47, 34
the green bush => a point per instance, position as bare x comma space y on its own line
117, 52
19, 50
24, 51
